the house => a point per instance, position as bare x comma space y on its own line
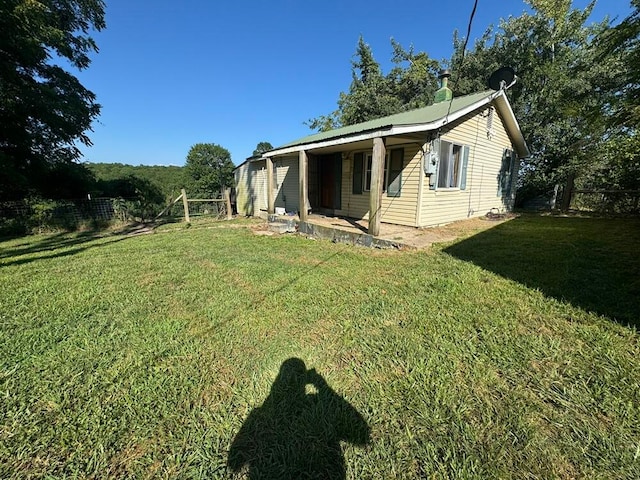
452, 160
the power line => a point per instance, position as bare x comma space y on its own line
464, 49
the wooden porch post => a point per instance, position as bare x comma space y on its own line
375, 192
271, 201
304, 184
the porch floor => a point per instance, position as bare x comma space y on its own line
412, 237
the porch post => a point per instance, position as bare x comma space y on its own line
271, 202
303, 162
375, 192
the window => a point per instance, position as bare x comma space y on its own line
392, 176
507, 170
367, 172
449, 165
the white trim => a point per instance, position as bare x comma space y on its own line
391, 130
330, 143
512, 125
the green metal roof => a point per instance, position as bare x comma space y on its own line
412, 117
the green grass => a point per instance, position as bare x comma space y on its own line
507, 354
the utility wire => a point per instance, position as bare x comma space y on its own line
464, 49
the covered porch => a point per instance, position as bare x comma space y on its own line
327, 176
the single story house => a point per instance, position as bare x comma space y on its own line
452, 160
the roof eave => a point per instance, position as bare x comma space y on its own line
384, 131
501, 103
252, 158
511, 124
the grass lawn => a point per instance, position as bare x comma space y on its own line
213, 353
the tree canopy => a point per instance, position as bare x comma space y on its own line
114, 179
373, 94
262, 147
44, 110
560, 82
210, 167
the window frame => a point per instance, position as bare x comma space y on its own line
361, 180
367, 159
455, 152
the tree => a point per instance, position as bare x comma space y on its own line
169, 179
210, 167
623, 41
373, 95
415, 85
560, 82
44, 110
370, 94
262, 147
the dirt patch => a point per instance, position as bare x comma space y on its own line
410, 237
416, 237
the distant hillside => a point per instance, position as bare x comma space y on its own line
168, 179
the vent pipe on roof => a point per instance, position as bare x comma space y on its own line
444, 93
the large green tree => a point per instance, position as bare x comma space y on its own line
623, 41
210, 167
44, 110
560, 82
410, 84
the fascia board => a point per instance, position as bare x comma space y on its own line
385, 131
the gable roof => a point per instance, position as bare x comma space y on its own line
419, 120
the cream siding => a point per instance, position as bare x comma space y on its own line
287, 180
244, 200
485, 160
251, 186
399, 210
258, 182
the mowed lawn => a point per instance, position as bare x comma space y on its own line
213, 353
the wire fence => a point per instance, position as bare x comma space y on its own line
39, 215
606, 201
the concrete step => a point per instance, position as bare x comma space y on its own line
282, 227
282, 224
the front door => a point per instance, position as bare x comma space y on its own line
330, 181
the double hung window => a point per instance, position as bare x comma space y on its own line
392, 175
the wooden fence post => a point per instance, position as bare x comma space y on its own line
227, 198
185, 204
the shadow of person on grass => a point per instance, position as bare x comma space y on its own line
295, 434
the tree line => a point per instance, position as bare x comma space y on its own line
577, 97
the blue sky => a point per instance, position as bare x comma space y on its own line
170, 74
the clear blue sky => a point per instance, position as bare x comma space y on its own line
170, 74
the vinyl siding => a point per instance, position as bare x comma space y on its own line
258, 182
399, 210
485, 160
251, 186
287, 179
416, 205
244, 200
